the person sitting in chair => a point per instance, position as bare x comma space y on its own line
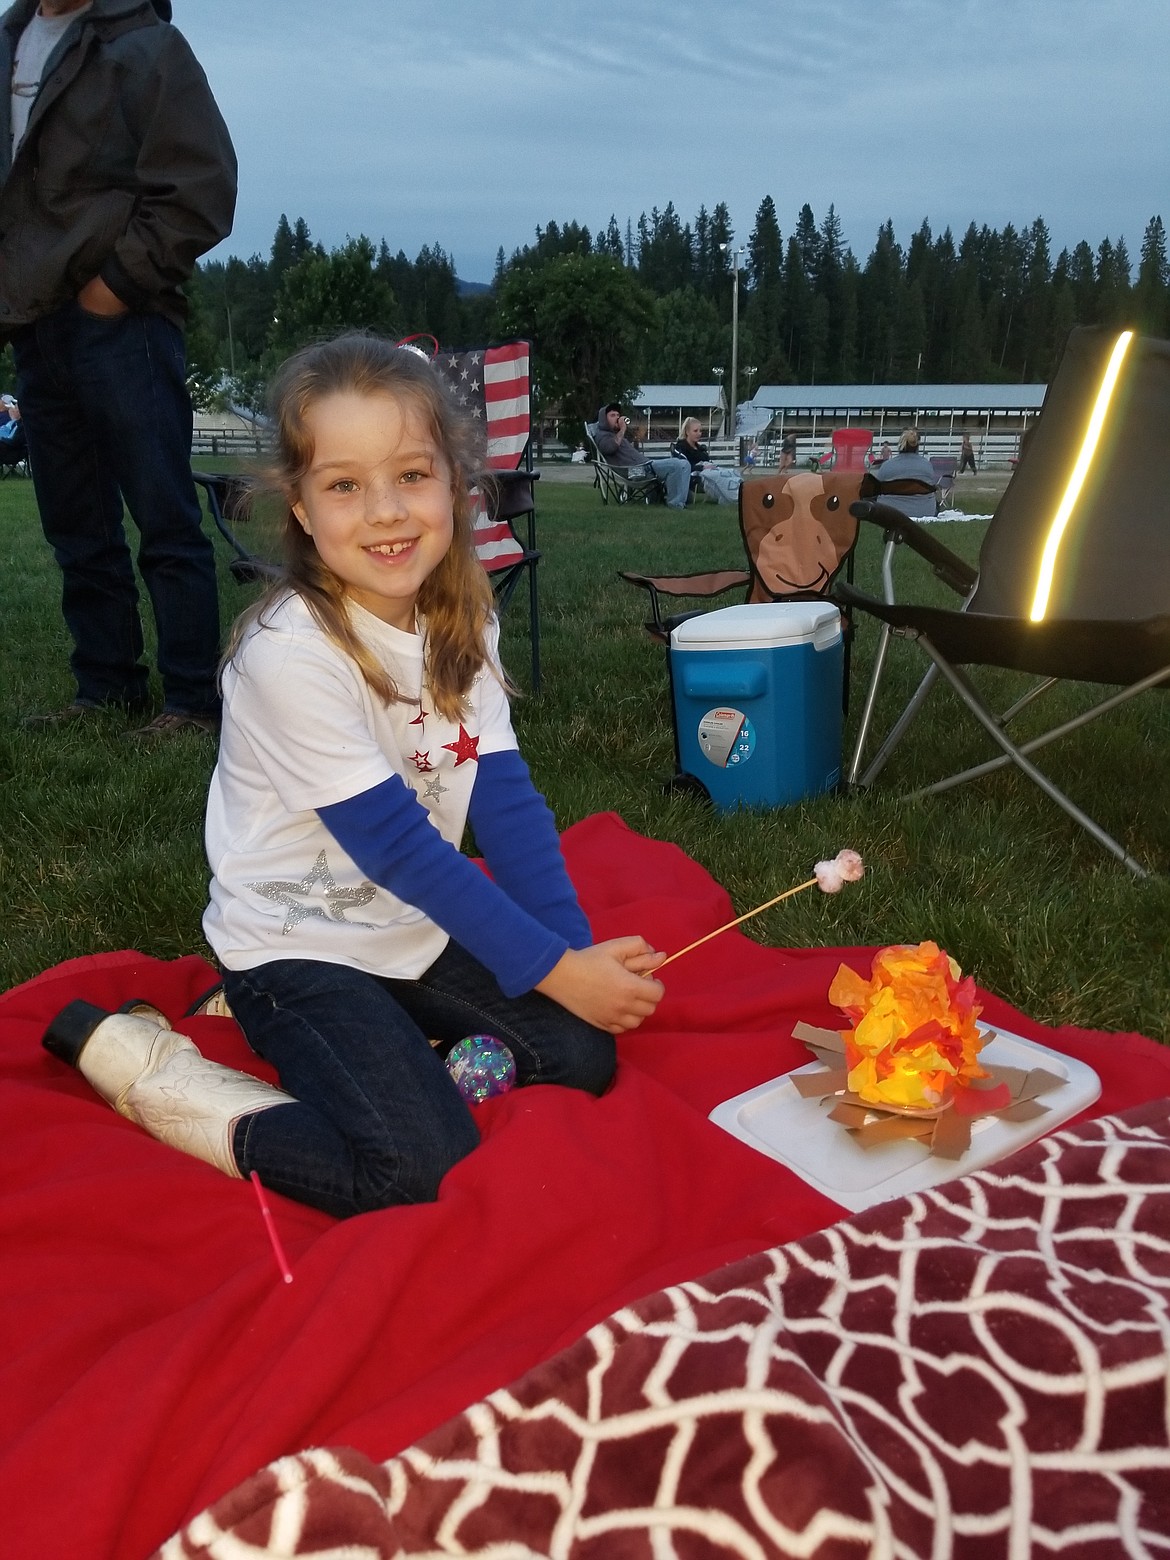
12, 429
614, 446
909, 463
723, 486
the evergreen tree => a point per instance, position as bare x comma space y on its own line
323, 295
610, 242
1150, 300
1112, 282
880, 294
798, 296
848, 327
686, 339
1037, 334
1082, 276
765, 256
721, 237
762, 314
703, 252
808, 243
827, 285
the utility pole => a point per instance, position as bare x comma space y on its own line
735, 254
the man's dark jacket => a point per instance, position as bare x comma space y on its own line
126, 170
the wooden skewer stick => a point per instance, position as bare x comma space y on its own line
698, 943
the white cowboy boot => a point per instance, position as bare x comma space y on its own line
160, 1080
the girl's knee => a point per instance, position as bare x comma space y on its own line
413, 1175
595, 1063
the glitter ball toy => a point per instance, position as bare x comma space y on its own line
482, 1067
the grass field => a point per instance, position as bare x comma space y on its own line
101, 845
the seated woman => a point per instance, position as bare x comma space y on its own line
718, 483
909, 462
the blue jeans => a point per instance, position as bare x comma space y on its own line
108, 417
378, 1120
675, 475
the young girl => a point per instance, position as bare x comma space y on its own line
365, 723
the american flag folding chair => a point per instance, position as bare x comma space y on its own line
492, 383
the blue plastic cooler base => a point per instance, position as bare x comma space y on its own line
759, 727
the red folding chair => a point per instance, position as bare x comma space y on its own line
850, 452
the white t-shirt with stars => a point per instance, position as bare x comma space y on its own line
303, 730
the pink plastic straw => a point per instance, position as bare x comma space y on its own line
270, 1226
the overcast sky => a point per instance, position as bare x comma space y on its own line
467, 122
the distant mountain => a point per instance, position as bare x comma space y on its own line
470, 289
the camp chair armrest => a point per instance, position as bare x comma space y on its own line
713, 583
954, 571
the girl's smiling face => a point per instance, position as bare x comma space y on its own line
376, 500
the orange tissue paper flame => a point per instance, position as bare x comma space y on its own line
914, 1043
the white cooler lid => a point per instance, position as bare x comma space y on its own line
761, 626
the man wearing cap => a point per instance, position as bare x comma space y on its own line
618, 450
116, 174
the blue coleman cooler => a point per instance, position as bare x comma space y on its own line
757, 701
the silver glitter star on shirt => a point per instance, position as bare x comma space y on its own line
434, 788
338, 900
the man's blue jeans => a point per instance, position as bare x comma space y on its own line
379, 1121
675, 475
108, 417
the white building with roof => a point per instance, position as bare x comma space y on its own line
665, 408
943, 412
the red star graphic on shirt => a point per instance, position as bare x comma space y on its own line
422, 762
467, 747
419, 719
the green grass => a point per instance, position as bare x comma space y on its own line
102, 845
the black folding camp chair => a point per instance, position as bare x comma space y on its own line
1074, 573
14, 454
622, 484
229, 503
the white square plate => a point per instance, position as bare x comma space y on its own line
774, 1119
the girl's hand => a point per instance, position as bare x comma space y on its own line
607, 985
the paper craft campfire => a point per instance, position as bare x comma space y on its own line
910, 1066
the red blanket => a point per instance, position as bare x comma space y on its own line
153, 1359
975, 1370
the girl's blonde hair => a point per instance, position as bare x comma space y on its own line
456, 598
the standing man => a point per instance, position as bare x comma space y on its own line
611, 441
116, 174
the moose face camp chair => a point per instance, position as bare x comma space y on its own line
798, 533
622, 484
1074, 572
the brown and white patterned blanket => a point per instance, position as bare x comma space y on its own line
979, 1370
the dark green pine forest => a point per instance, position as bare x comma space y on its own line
652, 303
